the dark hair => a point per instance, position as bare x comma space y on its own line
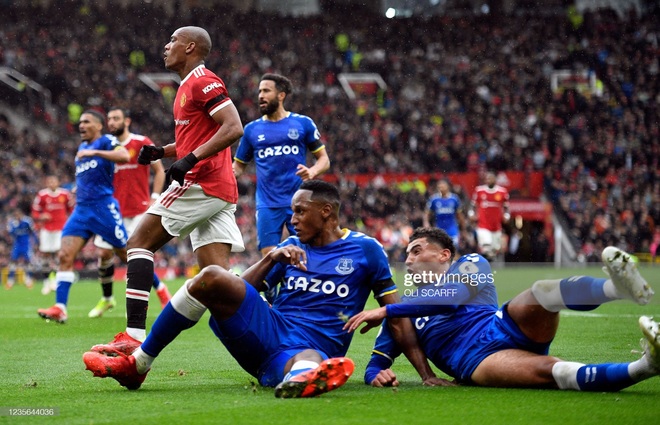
436, 236
99, 116
323, 191
282, 83
124, 111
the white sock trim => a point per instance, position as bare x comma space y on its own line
137, 294
66, 276
565, 374
103, 264
137, 333
548, 294
143, 361
610, 290
300, 366
186, 305
139, 253
641, 369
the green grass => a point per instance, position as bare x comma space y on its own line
195, 381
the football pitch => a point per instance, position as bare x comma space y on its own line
195, 381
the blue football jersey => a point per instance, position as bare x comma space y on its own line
336, 285
445, 212
277, 148
94, 175
445, 335
22, 231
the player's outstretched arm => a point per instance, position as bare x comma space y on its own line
372, 318
119, 154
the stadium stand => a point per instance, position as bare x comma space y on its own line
464, 93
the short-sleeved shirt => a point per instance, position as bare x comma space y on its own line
95, 175
57, 203
96, 211
22, 231
310, 309
454, 339
200, 95
132, 187
277, 147
490, 202
444, 210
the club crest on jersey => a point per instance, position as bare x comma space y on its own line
345, 266
183, 100
293, 134
468, 268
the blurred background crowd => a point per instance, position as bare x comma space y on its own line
465, 92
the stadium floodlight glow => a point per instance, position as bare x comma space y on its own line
390, 13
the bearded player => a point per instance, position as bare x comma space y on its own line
132, 191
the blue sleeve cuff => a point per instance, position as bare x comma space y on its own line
377, 363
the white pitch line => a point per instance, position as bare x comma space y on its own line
598, 315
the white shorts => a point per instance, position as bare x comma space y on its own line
50, 240
487, 237
130, 223
207, 219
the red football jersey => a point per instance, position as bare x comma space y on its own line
131, 182
489, 203
200, 95
57, 203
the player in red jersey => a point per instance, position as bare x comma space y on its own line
50, 209
201, 199
490, 207
134, 194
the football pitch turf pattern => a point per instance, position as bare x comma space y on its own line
195, 381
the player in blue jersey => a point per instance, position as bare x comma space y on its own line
443, 210
298, 345
21, 228
278, 143
96, 210
467, 336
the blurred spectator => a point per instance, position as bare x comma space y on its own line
463, 94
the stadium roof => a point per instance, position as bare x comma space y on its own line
395, 8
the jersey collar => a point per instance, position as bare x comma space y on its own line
190, 73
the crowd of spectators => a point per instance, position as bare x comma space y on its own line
464, 93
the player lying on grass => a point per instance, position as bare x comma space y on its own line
298, 344
465, 334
